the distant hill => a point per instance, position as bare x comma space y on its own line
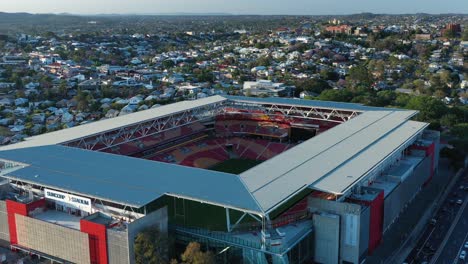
161, 14
26, 18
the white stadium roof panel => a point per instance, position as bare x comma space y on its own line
95, 128
352, 171
270, 184
268, 171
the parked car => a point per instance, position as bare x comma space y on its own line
463, 255
459, 201
466, 244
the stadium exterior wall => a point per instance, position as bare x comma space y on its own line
365, 232
4, 227
405, 191
326, 237
61, 242
117, 247
93, 242
351, 220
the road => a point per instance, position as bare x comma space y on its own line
449, 232
455, 241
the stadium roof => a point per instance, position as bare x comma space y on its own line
332, 161
308, 103
95, 128
125, 180
324, 162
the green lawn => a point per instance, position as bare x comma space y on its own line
235, 166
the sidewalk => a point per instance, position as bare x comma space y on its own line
410, 218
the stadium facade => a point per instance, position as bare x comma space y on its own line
331, 179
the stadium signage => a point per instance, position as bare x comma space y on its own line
69, 200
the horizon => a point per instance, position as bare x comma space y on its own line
241, 7
225, 14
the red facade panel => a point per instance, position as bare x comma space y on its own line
376, 221
97, 241
12, 209
376, 207
430, 152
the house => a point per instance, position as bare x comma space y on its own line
6, 121
5, 85
189, 89
121, 101
128, 109
22, 111
135, 100
173, 79
67, 117
6, 102
463, 100
151, 97
90, 85
168, 93
17, 128
38, 118
267, 88
422, 37
343, 29
143, 107
21, 101
464, 84
31, 85
112, 113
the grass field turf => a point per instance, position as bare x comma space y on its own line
235, 166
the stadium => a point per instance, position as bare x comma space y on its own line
255, 180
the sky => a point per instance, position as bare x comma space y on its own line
261, 7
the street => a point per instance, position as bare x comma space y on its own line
444, 238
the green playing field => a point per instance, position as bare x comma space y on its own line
235, 166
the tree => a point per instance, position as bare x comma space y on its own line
82, 100
445, 77
436, 82
326, 74
377, 67
263, 61
460, 130
193, 255
168, 64
448, 120
358, 76
151, 247
430, 109
63, 88
440, 94
311, 85
336, 95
